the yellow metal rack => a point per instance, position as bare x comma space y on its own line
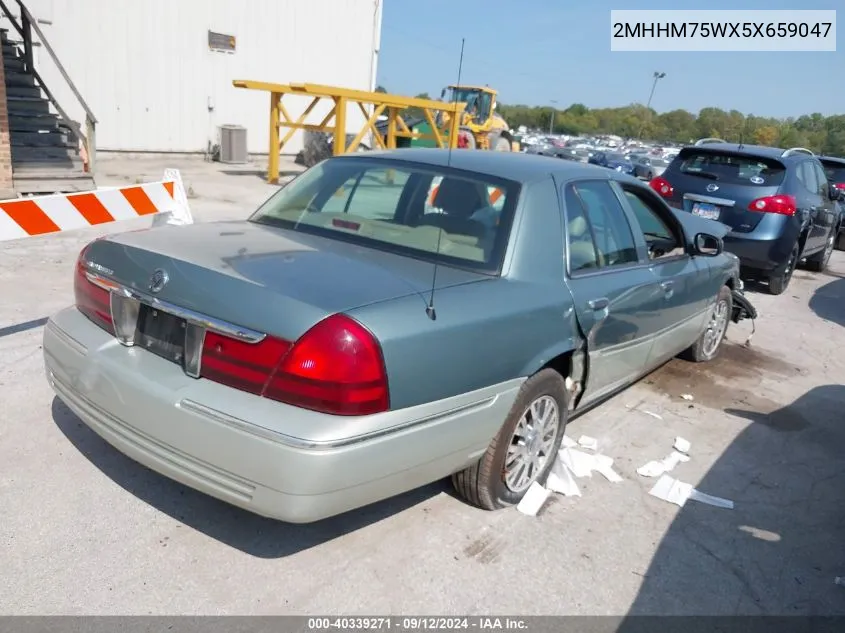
382, 104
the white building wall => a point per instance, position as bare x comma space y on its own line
145, 69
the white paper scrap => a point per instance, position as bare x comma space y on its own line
561, 481
533, 500
590, 443
607, 471
568, 442
682, 445
578, 462
687, 396
719, 502
669, 489
666, 465
652, 469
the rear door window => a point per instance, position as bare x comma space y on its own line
614, 239
821, 178
732, 169
807, 177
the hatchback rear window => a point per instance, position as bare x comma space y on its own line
834, 171
732, 169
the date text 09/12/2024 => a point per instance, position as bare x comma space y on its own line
416, 623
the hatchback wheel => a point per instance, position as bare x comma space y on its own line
819, 261
525, 448
710, 342
779, 282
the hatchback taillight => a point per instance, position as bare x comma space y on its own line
336, 367
783, 204
662, 186
92, 300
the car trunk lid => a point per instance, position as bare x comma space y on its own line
721, 184
263, 278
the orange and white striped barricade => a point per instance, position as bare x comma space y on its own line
166, 201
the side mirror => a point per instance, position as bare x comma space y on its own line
443, 93
708, 245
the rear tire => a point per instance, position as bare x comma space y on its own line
487, 484
707, 347
500, 144
819, 261
779, 282
470, 138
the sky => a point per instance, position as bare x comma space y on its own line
539, 51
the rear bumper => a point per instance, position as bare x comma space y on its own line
756, 253
252, 452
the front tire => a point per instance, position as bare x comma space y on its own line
525, 448
707, 347
779, 282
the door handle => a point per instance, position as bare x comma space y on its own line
598, 304
667, 286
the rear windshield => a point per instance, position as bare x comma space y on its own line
733, 169
439, 215
835, 171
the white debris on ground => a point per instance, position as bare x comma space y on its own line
688, 397
533, 500
590, 443
572, 463
668, 463
670, 489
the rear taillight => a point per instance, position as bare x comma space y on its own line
335, 367
783, 205
662, 186
92, 300
840, 185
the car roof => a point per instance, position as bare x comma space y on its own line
762, 151
515, 166
833, 159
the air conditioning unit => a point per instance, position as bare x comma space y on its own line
233, 145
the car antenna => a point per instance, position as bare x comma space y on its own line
429, 309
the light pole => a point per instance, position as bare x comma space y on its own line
552, 117
657, 77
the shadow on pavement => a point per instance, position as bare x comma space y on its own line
781, 547
254, 535
828, 301
258, 173
23, 327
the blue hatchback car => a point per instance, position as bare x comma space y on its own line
778, 203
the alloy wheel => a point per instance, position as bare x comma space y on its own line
531, 444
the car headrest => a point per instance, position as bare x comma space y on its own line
577, 227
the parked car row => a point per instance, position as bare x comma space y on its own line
387, 319
783, 206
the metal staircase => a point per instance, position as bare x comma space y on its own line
50, 152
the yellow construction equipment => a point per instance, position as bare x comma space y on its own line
442, 117
481, 127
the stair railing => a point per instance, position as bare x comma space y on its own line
28, 24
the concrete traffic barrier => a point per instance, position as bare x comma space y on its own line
166, 201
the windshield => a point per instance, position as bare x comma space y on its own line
734, 169
618, 158
436, 214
